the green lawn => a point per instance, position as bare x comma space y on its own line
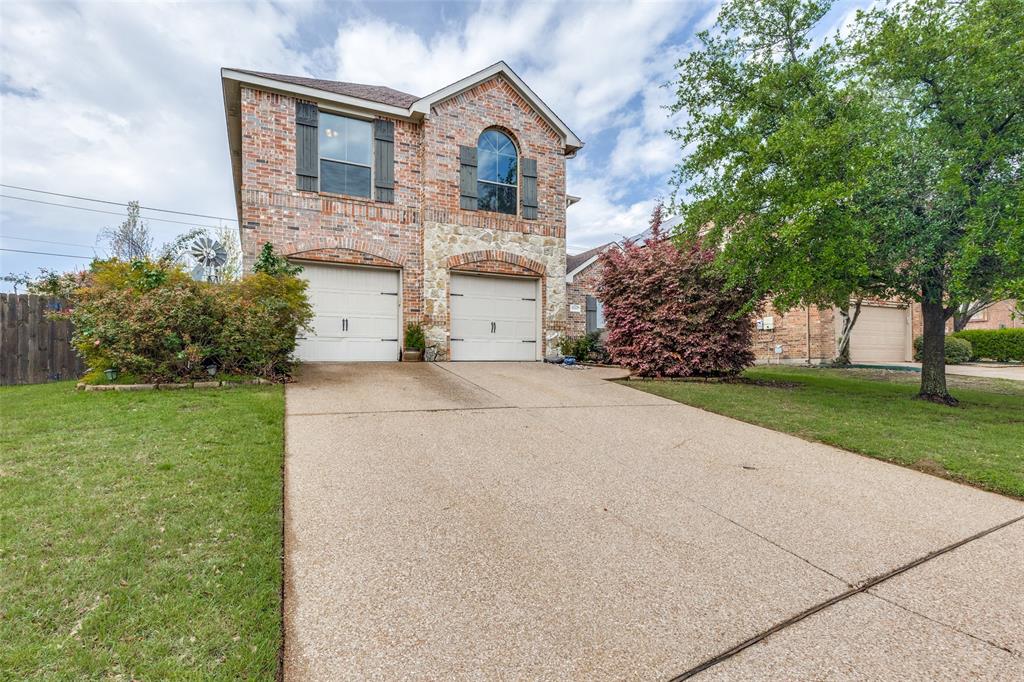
141, 533
873, 412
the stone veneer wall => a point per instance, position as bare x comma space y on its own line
442, 241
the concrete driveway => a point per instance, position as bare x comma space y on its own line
524, 521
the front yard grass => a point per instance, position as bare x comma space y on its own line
873, 412
141, 533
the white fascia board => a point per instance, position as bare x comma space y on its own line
317, 95
422, 105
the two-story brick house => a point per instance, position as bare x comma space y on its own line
448, 209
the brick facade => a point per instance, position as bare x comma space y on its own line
584, 283
424, 232
811, 335
999, 315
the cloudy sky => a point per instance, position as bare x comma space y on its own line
121, 101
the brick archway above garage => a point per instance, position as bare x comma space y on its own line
341, 249
462, 260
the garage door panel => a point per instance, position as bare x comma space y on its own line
880, 335
493, 318
362, 297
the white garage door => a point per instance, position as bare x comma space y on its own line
880, 335
355, 314
493, 318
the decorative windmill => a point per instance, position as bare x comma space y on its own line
210, 255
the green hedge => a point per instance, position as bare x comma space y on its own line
957, 350
1001, 345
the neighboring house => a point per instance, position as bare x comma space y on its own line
448, 209
582, 274
999, 315
884, 332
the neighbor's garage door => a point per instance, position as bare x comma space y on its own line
880, 335
355, 314
493, 318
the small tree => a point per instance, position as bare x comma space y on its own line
131, 239
668, 314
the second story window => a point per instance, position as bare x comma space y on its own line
345, 155
497, 173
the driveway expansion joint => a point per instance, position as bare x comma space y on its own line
864, 587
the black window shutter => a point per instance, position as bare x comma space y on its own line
528, 167
384, 160
591, 314
307, 157
467, 178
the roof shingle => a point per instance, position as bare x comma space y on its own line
574, 261
372, 93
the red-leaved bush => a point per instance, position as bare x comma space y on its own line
667, 314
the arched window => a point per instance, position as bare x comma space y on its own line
497, 173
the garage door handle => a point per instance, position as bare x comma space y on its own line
529, 299
344, 325
529, 340
494, 327
455, 339
455, 294
389, 339
389, 293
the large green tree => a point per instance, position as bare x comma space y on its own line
824, 173
948, 198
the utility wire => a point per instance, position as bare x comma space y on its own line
44, 241
97, 210
116, 203
47, 253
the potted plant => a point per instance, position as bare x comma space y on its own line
415, 342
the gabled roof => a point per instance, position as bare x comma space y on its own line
574, 264
371, 93
572, 143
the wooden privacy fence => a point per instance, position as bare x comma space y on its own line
33, 348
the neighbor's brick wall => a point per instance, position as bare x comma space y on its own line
584, 284
791, 333
999, 315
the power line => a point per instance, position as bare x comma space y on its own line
47, 253
44, 241
116, 203
97, 210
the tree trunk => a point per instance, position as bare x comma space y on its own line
933, 355
849, 319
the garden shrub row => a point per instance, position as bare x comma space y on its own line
151, 321
1002, 345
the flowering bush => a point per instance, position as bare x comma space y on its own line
666, 312
149, 319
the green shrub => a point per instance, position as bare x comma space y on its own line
583, 348
1001, 345
957, 350
415, 339
151, 320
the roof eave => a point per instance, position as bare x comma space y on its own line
318, 95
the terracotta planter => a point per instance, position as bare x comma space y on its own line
412, 355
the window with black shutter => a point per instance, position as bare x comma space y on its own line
346, 155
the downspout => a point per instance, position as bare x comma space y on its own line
808, 325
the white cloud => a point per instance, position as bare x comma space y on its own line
125, 102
